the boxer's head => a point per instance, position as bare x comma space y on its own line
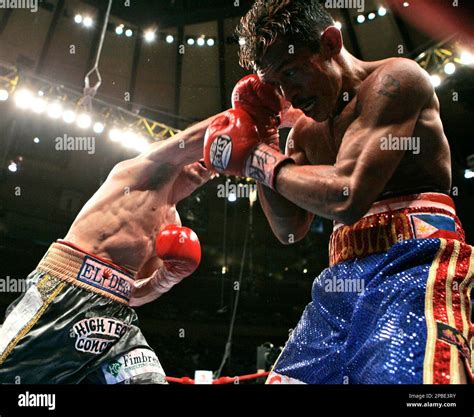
293, 44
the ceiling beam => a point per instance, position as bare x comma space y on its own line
177, 13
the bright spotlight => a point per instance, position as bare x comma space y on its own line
435, 80
150, 36
382, 11
128, 139
55, 110
129, 33
242, 41
211, 42
119, 30
449, 68
467, 58
98, 127
87, 22
406, 4
23, 99
191, 41
305, 271
13, 167
38, 105
36, 140
4, 95
141, 145
170, 39
84, 120
338, 25
232, 197
361, 18
115, 135
69, 116
371, 16
78, 18
253, 195
201, 41
468, 174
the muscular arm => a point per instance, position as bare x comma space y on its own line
170, 156
344, 192
288, 222
183, 148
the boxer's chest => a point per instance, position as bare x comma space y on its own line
337, 127
329, 136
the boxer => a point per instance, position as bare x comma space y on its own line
126, 248
368, 151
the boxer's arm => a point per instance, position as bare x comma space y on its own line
345, 191
144, 289
183, 148
180, 252
165, 159
288, 222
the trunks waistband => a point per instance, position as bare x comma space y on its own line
418, 216
68, 263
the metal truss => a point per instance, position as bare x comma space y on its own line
111, 115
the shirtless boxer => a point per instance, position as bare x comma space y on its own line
125, 248
396, 235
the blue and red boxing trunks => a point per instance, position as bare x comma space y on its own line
394, 306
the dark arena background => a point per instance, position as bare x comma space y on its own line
164, 65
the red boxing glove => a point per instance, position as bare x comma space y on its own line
257, 98
232, 146
180, 250
228, 142
261, 101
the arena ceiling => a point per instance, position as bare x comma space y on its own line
169, 13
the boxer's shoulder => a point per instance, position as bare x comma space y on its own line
124, 168
398, 79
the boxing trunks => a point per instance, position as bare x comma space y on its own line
73, 325
394, 306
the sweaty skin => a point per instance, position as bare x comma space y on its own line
341, 167
138, 199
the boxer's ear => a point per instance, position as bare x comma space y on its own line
331, 42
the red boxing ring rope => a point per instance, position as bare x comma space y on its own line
219, 381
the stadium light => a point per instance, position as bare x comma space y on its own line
23, 99
84, 121
4, 95
69, 116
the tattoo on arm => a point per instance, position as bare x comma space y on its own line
390, 87
257, 164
